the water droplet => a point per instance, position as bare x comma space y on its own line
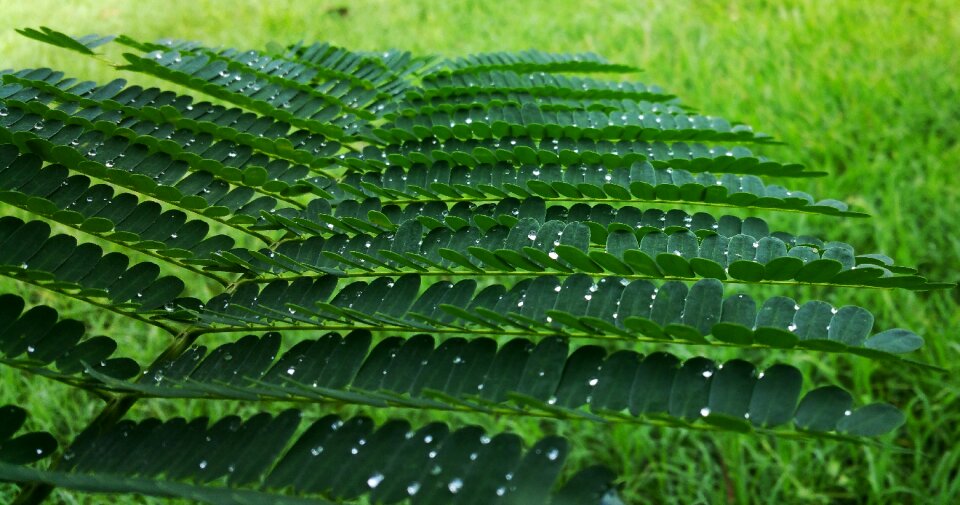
375, 480
532, 236
553, 255
30, 349
203, 464
792, 327
705, 411
455, 485
291, 371
847, 412
593, 381
3, 112
708, 373
553, 454
227, 357
501, 491
316, 451
173, 235
413, 488
232, 154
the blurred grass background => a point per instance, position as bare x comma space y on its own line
867, 91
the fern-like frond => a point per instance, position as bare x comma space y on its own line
529, 246
51, 192
234, 460
108, 132
526, 61
575, 306
159, 107
520, 377
29, 253
535, 84
37, 338
695, 157
637, 184
451, 227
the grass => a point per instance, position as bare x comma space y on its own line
864, 90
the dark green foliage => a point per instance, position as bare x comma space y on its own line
454, 232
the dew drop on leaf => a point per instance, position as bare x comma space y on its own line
375, 480
455, 485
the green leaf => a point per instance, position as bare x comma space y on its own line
896, 341
821, 408
871, 420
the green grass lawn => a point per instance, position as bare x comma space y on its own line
868, 91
